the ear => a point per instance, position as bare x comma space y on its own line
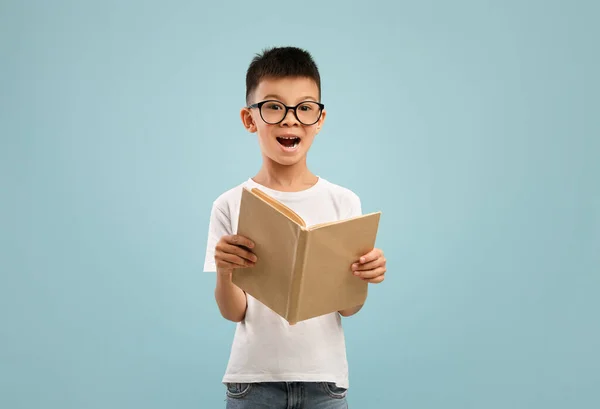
248, 120
321, 121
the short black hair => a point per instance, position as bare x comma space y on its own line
281, 62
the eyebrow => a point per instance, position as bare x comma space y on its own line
275, 96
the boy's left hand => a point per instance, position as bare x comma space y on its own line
371, 267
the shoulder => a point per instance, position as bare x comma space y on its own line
228, 202
230, 195
347, 200
339, 191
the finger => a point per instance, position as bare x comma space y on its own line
232, 261
238, 251
238, 240
369, 266
372, 273
370, 256
224, 247
229, 264
375, 280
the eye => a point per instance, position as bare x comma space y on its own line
273, 106
306, 107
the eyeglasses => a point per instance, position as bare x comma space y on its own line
273, 111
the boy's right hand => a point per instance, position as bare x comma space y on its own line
233, 252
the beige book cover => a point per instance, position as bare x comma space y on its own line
302, 272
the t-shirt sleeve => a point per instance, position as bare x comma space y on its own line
354, 207
219, 226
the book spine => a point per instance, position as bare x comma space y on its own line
297, 275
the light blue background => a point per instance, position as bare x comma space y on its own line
473, 126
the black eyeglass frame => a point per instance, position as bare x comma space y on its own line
287, 109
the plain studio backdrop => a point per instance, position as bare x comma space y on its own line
472, 125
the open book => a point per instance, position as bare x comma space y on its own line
302, 272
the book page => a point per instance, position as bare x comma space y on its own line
320, 225
279, 206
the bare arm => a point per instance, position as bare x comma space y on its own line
230, 298
230, 254
371, 268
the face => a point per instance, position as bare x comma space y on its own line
288, 141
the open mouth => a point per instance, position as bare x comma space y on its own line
289, 142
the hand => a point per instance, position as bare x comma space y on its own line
371, 267
233, 252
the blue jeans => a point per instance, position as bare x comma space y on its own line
286, 395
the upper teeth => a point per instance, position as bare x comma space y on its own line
288, 137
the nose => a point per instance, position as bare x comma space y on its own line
290, 118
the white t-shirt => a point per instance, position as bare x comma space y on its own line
265, 347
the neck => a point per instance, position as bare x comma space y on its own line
292, 178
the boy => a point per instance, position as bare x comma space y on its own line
273, 364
